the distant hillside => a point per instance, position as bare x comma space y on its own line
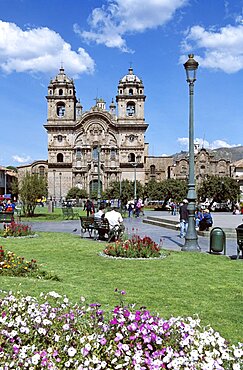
233, 154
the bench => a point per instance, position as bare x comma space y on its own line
87, 225
103, 231
6, 217
239, 232
69, 214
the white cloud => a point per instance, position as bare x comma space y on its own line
184, 143
18, 159
222, 49
110, 23
39, 50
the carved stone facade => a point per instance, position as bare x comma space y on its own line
98, 145
206, 164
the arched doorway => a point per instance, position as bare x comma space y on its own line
93, 187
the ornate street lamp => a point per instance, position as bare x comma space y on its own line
54, 186
60, 177
99, 184
191, 239
135, 164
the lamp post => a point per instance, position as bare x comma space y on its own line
99, 187
5, 182
120, 189
54, 186
135, 164
191, 239
60, 177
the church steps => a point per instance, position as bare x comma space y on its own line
173, 225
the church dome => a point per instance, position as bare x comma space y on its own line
130, 77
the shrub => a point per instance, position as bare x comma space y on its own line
16, 229
51, 333
136, 247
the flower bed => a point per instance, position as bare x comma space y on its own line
13, 265
136, 247
51, 333
16, 230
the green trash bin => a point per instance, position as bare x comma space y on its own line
217, 240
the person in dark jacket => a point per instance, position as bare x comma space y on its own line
183, 211
89, 207
206, 221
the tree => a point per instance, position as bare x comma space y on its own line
219, 189
76, 193
165, 190
127, 191
31, 187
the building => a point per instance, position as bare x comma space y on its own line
7, 177
207, 163
89, 149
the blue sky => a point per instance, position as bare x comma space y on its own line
97, 41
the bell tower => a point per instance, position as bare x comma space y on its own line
61, 100
130, 99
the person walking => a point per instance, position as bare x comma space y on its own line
89, 207
183, 211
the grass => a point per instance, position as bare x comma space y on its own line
181, 284
41, 214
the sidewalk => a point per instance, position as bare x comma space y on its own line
166, 238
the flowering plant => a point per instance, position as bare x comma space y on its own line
136, 247
13, 265
16, 229
50, 333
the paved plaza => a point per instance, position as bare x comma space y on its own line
167, 238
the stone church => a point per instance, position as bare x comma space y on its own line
90, 149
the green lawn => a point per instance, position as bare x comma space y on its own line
181, 284
41, 214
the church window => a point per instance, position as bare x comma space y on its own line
152, 169
95, 153
70, 92
60, 109
41, 170
60, 157
59, 138
130, 91
130, 109
141, 91
50, 92
60, 91
113, 153
120, 91
78, 153
131, 157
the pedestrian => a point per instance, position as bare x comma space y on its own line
198, 217
183, 212
130, 207
89, 207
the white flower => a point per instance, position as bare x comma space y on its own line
238, 352
72, 351
56, 337
65, 327
38, 319
67, 364
35, 359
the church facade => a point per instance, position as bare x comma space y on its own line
90, 149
